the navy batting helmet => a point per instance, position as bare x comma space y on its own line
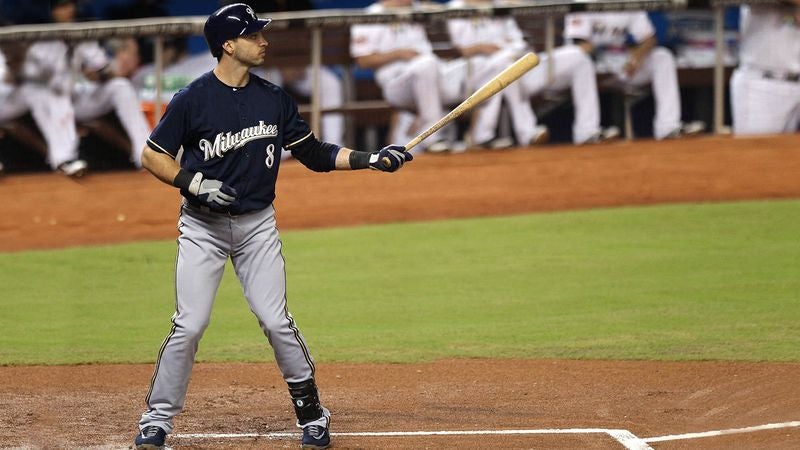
230, 22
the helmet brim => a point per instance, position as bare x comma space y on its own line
256, 26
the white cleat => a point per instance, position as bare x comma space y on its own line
540, 136
74, 169
439, 147
605, 135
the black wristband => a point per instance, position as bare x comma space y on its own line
359, 160
183, 179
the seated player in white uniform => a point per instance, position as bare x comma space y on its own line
606, 34
410, 75
36, 81
98, 89
765, 88
491, 44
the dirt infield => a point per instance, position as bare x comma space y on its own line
97, 406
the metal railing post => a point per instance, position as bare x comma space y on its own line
159, 63
719, 69
316, 67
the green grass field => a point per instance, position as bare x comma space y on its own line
681, 282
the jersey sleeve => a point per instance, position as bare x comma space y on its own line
89, 55
363, 40
640, 27
299, 139
459, 31
295, 129
170, 132
577, 26
514, 37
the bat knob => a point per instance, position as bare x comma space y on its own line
386, 162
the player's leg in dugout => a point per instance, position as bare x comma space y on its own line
93, 100
659, 68
572, 69
416, 86
47, 109
203, 246
332, 89
481, 69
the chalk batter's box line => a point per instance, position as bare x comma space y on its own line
624, 437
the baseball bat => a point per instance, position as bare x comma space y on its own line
491, 87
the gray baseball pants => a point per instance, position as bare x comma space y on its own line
205, 242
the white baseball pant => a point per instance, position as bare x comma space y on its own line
93, 100
763, 106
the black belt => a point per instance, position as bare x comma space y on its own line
208, 210
793, 77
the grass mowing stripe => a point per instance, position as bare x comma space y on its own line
706, 281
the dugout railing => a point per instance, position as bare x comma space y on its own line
322, 37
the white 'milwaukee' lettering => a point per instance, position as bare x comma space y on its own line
225, 142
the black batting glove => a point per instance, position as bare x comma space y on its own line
214, 193
389, 158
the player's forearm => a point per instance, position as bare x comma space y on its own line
585, 45
343, 159
161, 165
388, 159
349, 159
478, 49
376, 60
641, 51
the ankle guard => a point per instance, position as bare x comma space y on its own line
306, 401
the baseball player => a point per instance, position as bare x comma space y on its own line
765, 88
410, 75
232, 127
606, 34
492, 44
39, 84
97, 90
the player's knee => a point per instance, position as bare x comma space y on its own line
192, 331
571, 51
583, 58
662, 57
424, 65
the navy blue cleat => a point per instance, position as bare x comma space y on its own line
316, 437
150, 438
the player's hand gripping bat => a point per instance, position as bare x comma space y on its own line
493, 86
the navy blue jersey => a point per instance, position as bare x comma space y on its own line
235, 135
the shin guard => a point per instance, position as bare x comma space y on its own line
306, 401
